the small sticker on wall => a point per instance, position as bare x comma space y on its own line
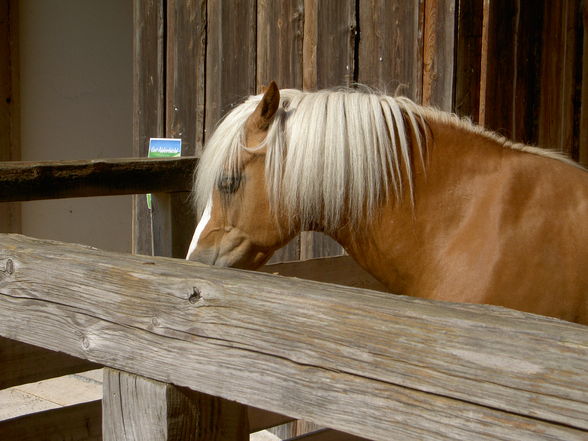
163, 148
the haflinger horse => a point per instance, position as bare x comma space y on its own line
430, 204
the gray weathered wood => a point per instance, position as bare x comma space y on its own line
25, 181
137, 409
364, 362
21, 363
80, 422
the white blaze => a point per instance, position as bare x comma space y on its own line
200, 227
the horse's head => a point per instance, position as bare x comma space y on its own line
238, 228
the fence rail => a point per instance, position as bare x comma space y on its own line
26, 181
372, 364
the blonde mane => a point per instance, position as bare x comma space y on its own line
331, 154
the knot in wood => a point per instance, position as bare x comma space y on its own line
8, 267
195, 296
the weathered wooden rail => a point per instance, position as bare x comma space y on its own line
365, 362
25, 181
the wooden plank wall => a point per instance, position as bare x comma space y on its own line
534, 89
212, 53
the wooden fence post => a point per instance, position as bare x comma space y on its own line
136, 408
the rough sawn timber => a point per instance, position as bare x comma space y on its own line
364, 362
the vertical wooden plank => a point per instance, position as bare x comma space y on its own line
439, 54
10, 214
185, 67
512, 70
148, 101
558, 77
336, 34
279, 43
230, 55
583, 129
185, 97
499, 93
137, 409
390, 48
280, 30
330, 33
470, 17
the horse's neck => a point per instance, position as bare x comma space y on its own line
402, 241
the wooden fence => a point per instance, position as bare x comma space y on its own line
368, 363
199, 352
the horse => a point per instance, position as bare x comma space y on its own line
430, 204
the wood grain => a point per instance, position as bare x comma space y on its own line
80, 422
25, 181
439, 54
363, 362
230, 55
390, 47
21, 363
137, 409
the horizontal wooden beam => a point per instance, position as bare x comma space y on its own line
364, 362
83, 422
21, 363
80, 422
27, 181
342, 270
327, 435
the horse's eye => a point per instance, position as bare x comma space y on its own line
229, 184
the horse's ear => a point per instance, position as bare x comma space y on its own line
266, 109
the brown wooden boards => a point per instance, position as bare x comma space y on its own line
390, 49
468, 58
148, 100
